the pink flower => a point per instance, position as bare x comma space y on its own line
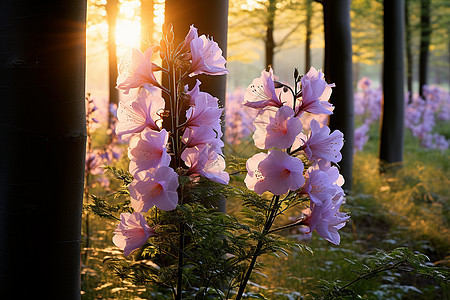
194, 92
206, 57
205, 112
276, 129
279, 173
327, 219
138, 114
192, 34
94, 162
254, 175
206, 162
315, 93
148, 150
261, 92
132, 232
323, 145
154, 187
318, 186
200, 136
136, 70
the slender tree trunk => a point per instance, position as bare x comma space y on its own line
43, 134
309, 14
147, 24
425, 39
391, 139
338, 70
269, 42
409, 59
111, 14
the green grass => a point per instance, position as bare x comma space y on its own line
410, 208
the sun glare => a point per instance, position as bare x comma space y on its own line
128, 27
128, 33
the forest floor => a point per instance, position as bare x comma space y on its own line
408, 209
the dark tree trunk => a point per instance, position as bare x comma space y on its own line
269, 43
425, 38
147, 24
211, 19
43, 134
409, 58
391, 139
309, 13
338, 70
112, 8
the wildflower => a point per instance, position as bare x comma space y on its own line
322, 144
136, 70
326, 219
206, 57
132, 232
315, 93
138, 114
192, 34
205, 112
318, 186
253, 173
94, 162
280, 172
206, 161
261, 92
148, 150
200, 136
276, 129
154, 187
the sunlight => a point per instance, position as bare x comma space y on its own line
128, 28
128, 33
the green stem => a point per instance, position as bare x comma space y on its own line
180, 264
295, 224
258, 248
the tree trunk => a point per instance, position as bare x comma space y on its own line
43, 134
147, 24
391, 139
211, 19
425, 39
338, 70
309, 13
112, 8
269, 42
409, 58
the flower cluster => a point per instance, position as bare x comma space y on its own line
171, 136
279, 130
368, 108
420, 114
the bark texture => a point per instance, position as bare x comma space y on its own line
392, 120
338, 70
43, 134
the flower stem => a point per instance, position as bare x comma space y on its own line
257, 252
180, 264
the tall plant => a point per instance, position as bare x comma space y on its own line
176, 175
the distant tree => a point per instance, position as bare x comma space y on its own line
392, 122
308, 27
409, 57
425, 39
274, 22
112, 9
43, 134
367, 31
338, 70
